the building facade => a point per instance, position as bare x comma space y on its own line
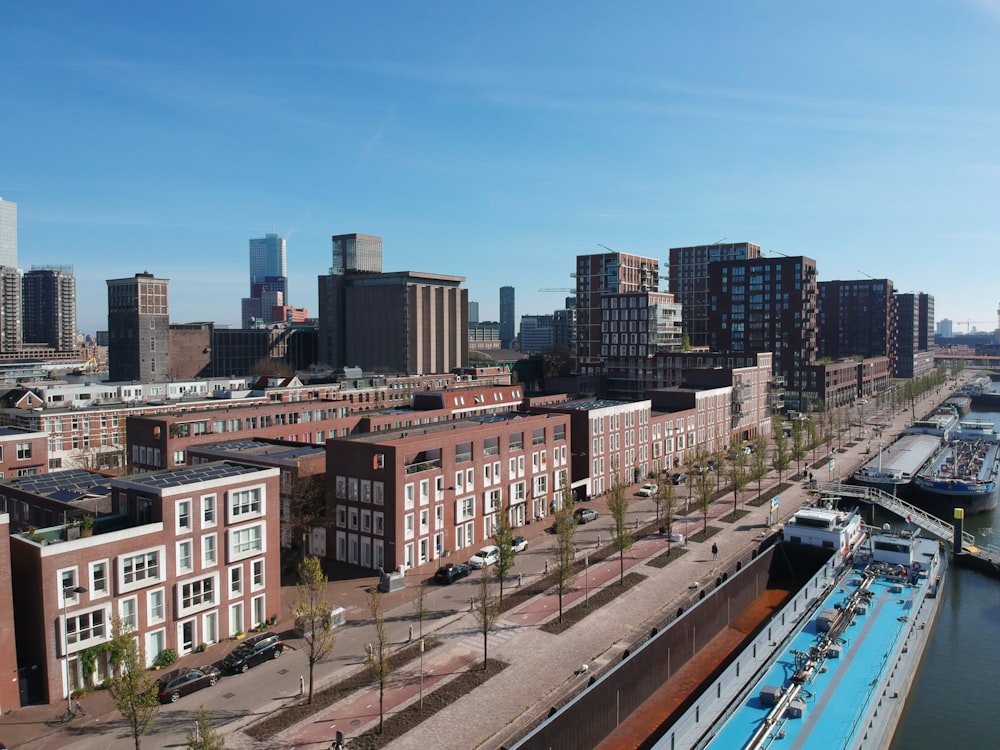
138, 328
403, 498
688, 282
183, 558
508, 330
767, 304
356, 254
49, 307
8, 233
597, 277
855, 319
914, 314
268, 280
402, 322
11, 310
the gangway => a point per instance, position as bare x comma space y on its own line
928, 522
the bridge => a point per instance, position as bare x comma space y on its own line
927, 521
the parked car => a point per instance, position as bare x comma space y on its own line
678, 477
451, 572
253, 651
647, 490
584, 515
171, 686
485, 557
519, 544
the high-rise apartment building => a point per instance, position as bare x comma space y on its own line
688, 281
8, 233
356, 253
11, 315
49, 307
855, 319
598, 276
767, 305
507, 327
473, 312
402, 322
914, 313
138, 328
268, 280
537, 334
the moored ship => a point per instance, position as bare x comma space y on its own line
965, 470
895, 465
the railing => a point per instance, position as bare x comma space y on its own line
901, 508
434, 463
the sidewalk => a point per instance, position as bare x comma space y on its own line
542, 667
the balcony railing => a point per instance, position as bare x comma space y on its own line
434, 463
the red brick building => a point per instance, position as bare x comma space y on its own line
402, 498
23, 452
185, 557
9, 698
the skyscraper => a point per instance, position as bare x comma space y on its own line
356, 253
507, 317
138, 329
268, 280
8, 233
49, 303
11, 320
855, 319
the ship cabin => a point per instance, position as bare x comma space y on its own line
836, 530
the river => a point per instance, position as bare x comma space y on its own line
953, 703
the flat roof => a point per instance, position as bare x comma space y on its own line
191, 474
256, 447
66, 486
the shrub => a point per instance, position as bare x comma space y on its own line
165, 658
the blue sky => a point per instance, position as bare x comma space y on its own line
498, 141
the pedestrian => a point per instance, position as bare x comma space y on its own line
715, 551
302, 684
546, 567
410, 636
519, 580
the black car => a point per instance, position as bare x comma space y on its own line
171, 686
679, 477
451, 572
253, 651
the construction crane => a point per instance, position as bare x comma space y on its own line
562, 290
969, 323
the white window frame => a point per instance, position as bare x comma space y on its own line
180, 506
209, 542
203, 603
246, 503
235, 539
209, 510
146, 580
151, 617
185, 548
95, 592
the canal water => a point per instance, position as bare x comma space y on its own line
954, 703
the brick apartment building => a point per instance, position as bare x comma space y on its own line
185, 557
403, 498
23, 452
9, 676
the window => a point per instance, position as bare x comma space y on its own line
154, 605
184, 562
197, 594
246, 542
245, 503
137, 570
208, 510
183, 515
257, 574
98, 578
23, 451
127, 612
85, 628
209, 553
235, 581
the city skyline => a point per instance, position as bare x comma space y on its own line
856, 135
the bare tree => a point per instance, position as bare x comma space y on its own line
311, 611
306, 508
668, 506
486, 611
704, 491
503, 538
133, 689
377, 658
203, 736
420, 607
758, 462
780, 459
798, 444
621, 535
565, 523
737, 476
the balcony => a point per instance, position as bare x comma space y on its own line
433, 463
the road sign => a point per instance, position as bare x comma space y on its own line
774, 502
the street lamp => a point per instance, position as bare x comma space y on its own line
66, 592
